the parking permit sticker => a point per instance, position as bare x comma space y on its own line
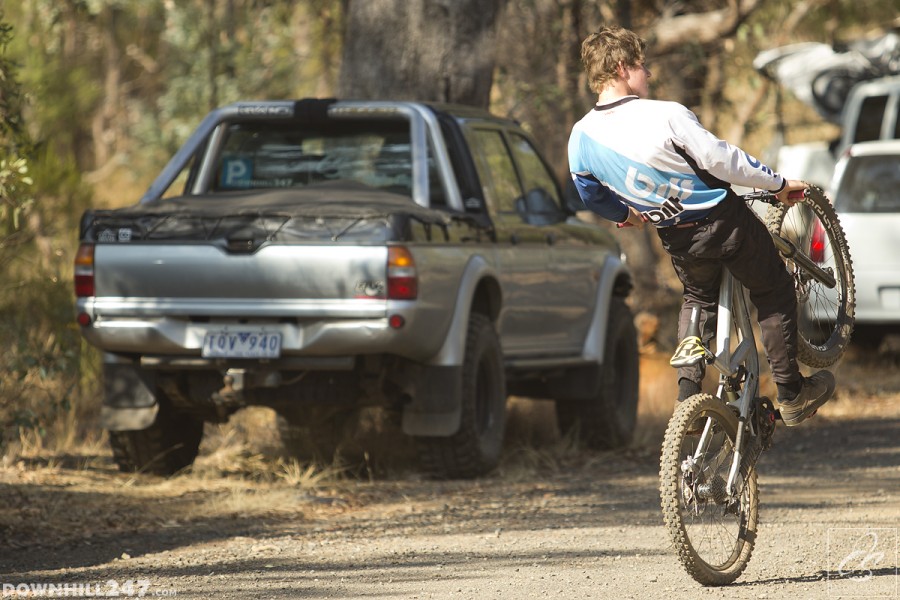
236, 173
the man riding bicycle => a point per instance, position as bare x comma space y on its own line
636, 160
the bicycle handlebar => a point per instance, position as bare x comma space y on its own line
770, 198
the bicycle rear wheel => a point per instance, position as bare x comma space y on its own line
713, 535
824, 315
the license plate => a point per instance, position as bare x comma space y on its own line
242, 344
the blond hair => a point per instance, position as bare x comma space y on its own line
604, 50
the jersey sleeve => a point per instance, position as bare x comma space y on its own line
719, 158
595, 196
600, 199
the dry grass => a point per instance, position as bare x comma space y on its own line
248, 445
247, 448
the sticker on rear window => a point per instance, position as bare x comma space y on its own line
236, 173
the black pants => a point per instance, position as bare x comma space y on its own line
736, 239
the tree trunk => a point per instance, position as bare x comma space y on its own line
104, 129
437, 50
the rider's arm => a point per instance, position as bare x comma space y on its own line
721, 159
600, 199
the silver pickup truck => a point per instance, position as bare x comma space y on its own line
319, 257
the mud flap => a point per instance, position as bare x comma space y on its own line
435, 406
127, 419
129, 398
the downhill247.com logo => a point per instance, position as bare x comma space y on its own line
109, 589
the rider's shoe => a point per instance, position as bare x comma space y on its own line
816, 391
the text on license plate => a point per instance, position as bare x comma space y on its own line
242, 344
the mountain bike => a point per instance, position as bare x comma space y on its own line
708, 476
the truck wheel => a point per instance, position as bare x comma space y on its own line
475, 448
607, 420
164, 448
314, 433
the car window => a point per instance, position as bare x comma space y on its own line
496, 170
871, 115
541, 204
534, 173
258, 155
897, 120
870, 185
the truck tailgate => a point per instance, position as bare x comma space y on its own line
277, 271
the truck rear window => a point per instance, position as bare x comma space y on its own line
259, 155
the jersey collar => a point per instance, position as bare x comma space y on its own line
614, 103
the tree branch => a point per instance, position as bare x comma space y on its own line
705, 28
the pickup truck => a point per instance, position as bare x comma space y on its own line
320, 257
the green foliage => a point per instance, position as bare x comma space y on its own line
12, 133
47, 372
14, 194
250, 53
43, 362
14, 180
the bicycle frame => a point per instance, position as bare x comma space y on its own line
738, 369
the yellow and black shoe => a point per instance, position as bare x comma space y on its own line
689, 352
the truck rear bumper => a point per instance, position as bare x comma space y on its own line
170, 340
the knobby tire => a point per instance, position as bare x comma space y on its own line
821, 342
713, 546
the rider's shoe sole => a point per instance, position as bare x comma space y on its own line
804, 414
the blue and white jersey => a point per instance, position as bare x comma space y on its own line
656, 157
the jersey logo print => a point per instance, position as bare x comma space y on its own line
669, 209
643, 186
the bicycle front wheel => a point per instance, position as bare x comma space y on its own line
713, 531
824, 314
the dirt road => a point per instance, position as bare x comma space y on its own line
551, 523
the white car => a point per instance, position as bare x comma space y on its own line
866, 195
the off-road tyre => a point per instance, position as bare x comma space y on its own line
607, 420
680, 519
474, 449
820, 343
168, 446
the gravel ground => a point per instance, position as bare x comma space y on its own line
568, 524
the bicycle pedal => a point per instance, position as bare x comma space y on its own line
690, 351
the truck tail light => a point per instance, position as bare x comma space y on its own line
84, 271
402, 280
817, 242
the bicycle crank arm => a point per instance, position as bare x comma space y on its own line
790, 251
